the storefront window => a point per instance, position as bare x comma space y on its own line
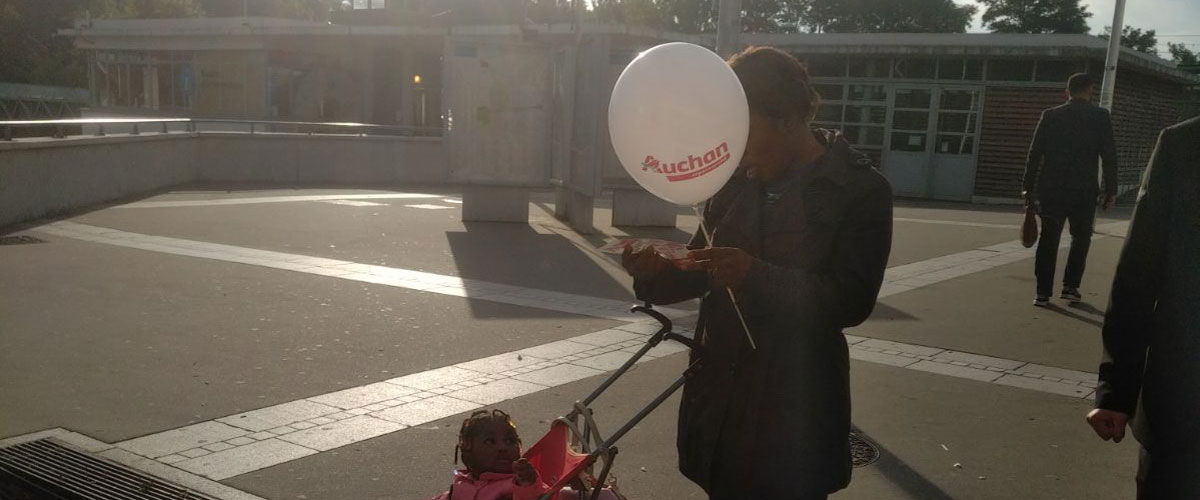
916, 68
819, 66
1015, 70
869, 68
1050, 70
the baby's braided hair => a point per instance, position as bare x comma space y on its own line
472, 425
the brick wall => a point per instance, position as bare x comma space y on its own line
1142, 106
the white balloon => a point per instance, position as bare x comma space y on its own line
679, 120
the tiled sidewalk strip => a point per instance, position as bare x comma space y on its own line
903, 278
256, 439
403, 278
276, 199
974, 366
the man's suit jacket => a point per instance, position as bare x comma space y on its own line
1068, 141
1151, 363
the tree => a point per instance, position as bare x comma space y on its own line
1182, 55
1035, 16
1136, 39
878, 16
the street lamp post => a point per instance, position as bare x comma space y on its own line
729, 27
1108, 88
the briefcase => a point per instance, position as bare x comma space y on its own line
1029, 228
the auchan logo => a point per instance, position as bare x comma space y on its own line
692, 167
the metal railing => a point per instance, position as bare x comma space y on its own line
59, 128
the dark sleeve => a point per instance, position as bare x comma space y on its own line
1037, 151
845, 289
675, 285
1108, 155
1135, 290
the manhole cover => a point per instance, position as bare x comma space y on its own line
19, 239
47, 469
862, 453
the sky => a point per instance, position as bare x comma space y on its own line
1167, 17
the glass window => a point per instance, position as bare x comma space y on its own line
973, 69
869, 68
830, 92
960, 69
829, 113
963, 123
864, 135
913, 98
908, 141
867, 93
914, 68
955, 144
826, 65
866, 114
1015, 70
961, 100
910, 120
1056, 70
950, 69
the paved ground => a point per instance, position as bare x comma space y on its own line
324, 344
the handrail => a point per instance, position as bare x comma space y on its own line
309, 128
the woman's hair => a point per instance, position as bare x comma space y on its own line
476, 423
776, 84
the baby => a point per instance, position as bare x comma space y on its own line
491, 451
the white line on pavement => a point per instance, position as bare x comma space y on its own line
242, 443
957, 223
276, 199
381, 275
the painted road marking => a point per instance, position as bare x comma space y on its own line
429, 207
269, 436
276, 199
354, 203
957, 223
390, 276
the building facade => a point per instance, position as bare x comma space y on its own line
948, 116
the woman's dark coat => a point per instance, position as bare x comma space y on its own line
773, 422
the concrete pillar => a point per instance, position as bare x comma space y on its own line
634, 207
495, 204
580, 212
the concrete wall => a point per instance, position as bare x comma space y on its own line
319, 159
47, 177
44, 177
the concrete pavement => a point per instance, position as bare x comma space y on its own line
120, 342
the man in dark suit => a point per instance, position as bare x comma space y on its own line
1151, 364
1060, 180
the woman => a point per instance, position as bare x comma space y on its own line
801, 234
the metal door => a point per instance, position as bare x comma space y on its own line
955, 143
907, 151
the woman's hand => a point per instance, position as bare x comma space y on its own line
726, 266
644, 264
524, 473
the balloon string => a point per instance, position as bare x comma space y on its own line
709, 244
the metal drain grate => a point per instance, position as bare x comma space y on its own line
862, 452
19, 239
46, 468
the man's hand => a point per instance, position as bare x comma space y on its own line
1030, 199
644, 264
524, 473
1108, 424
1107, 201
726, 266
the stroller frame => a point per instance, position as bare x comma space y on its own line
589, 439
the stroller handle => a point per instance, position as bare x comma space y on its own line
662, 319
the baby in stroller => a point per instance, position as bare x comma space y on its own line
491, 451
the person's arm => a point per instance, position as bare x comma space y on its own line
1033, 162
1108, 155
671, 285
1136, 287
846, 288
527, 483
